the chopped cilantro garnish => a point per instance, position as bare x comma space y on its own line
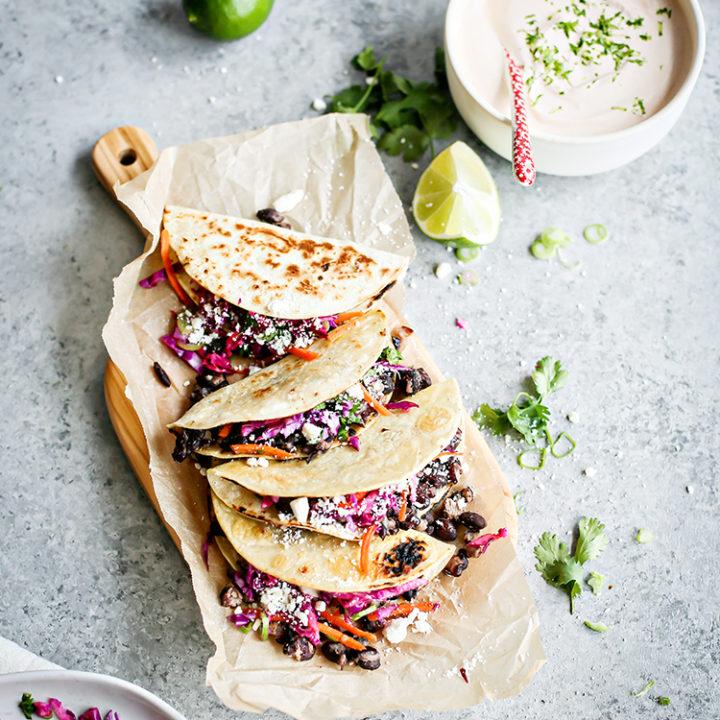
665, 11
27, 705
405, 116
639, 106
563, 570
392, 355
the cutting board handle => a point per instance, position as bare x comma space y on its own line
122, 154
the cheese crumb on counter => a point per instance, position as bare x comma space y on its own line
442, 269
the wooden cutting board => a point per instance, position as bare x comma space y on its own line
119, 156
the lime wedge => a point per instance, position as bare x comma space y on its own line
456, 201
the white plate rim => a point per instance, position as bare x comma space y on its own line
39, 676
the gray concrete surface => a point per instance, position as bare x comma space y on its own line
91, 580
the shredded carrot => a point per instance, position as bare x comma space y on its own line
335, 333
303, 353
343, 624
254, 449
344, 317
167, 264
403, 507
360, 495
404, 609
224, 431
447, 452
365, 548
379, 408
340, 637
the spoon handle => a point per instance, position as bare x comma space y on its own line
523, 163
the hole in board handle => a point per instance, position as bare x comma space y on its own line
127, 157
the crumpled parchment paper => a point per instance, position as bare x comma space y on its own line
487, 623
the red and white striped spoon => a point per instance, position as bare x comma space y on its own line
523, 163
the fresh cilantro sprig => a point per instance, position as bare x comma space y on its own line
405, 116
528, 414
563, 570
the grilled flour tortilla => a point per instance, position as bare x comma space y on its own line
277, 272
293, 385
325, 563
392, 449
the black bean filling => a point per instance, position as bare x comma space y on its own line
407, 381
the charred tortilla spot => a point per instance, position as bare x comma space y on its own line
384, 290
304, 569
326, 266
293, 270
404, 557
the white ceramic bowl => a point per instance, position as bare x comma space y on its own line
559, 155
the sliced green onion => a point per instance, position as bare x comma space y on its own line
542, 454
183, 325
264, 630
467, 254
555, 236
642, 692
595, 581
245, 628
516, 497
468, 277
573, 445
569, 266
596, 233
644, 536
188, 346
597, 627
664, 701
369, 609
542, 251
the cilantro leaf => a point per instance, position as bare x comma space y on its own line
565, 571
405, 116
406, 139
27, 705
365, 59
492, 418
530, 420
548, 376
347, 100
392, 355
591, 541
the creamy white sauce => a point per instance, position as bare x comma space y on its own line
630, 71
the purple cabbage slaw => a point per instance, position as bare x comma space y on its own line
231, 329
254, 581
53, 705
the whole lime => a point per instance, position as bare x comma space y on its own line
227, 19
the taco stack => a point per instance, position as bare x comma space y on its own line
334, 472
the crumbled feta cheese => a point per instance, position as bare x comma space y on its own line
442, 269
312, 433
355, 391
285, 203
421, 624
689, 489
320, 606
573, 417
59, 79
590, 471
396, 630
301, 507
186, 383
319, 104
